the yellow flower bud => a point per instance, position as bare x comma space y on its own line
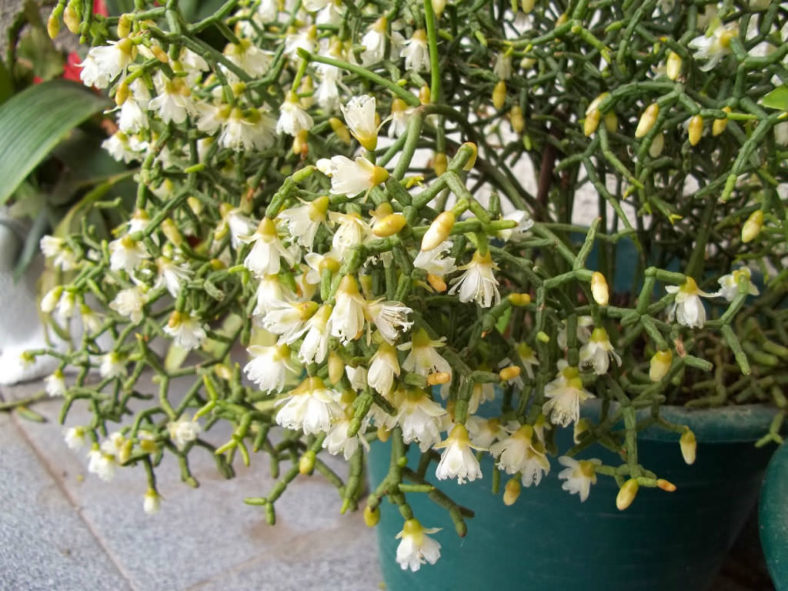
695, 129
71, 18
719, 125
436, 283
627, 494
591, 122
424, 95
339, 128
122, 93
371, 516
300, 143
389, 225
752, 227
673, 67
509, 373
383, 434
657, 145
660, 365
124, 26
666, 485
689, 446
516, 119
611, 121
440, 163
647, 120
53, 26
223, 372
519, 299
438, 6
171, 231
511, 491
599, 288
159, 54
306, 464
499, 95
195, 205
439, 377
438, 231
336, 368
527, 5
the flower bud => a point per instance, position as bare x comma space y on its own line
689, 446
660, 365
301, 143
438, 231
752, 227
581, 426
306, 464
339, 128
695, 129
71, 17
611, 121
53, 26
159, 54
591, 122
152, 502
511, 491
383, 434
424, 95
673, 67
666, 485
719, 125
371, 516
527, 5
121, 93
336, 368
171, 231
124, 26
599, 288
509, 373
647, 120
389, 225
499, 95
438, 6
438, 378
516, 119
657, 145
627, 494
519, 299
437, 283
440, 163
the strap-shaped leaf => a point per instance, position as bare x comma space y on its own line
34, 121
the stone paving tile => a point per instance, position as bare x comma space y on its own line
201, 535
44, 544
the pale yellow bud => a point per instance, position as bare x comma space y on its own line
689, 446
71, 18
516, 119
627, 494
611, 121
440, 163
389, 225
591, 122
336, 368
171, 231
383, 433
695, 129
122, 93
438, 6
519, 299
499, 95
660, 365
752, 227
223, 372
438, 378
438, 231
371, 516
53, 26
509, 373
437, 283
527, 5
673, 67
657, 145
511, 491
301, 143
666, 485
647, 120
306, 464
599, 288
159, 54
124, 26
195, 205
424, 95
719, 125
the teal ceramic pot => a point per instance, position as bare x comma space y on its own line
548, 540
773, 518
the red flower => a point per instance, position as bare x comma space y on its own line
100, 7
72, 68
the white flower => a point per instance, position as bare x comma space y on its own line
420, 419
347, 318
687, 307
101, 464
51, 299
267, 11
302, 222
91, 322
480, 393
520, 453
270, 367
383, 368
55, 384
781, 133
478, 283
596, 353
330, 14
528, 358
288, 319
253, 60
75, 437
271, 294
129, 302
390, 318
338, 440
126, 254
327, 91
729, 284
186, 330
579, 475
583, 333
714, 45
503, 66
400, 116
292, 117
374, 42
151, 503
104, 62
564, 394
351, 177
457, 460
314, 347
173, 102
416, 547
66, 305
253, 130
132, 117
123, 147
351, 232
311, 407
183, 431
267, 250
423, 358
303, 39
435, 261
361, 118
61, 254
357, 376
485, 432
524, 223
416, 52
239, 224
113, 365
171, 275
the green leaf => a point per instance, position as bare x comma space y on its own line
777, 98
34, 121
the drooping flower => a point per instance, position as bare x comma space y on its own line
288, 319
250, 130
564, 394
457, 460
420, 419
302, 222
55, 384
528, 358
351, 177
104, 62
293, 119
314, 347
59, 251
270, 367
347, 318
351, 231
186, 330
522, 452
383, 368
112, 365
374, 42
416, 547
75, 437
338, 439
101, 464
714, 45
400, 115
437, 263
126, 254
390, 318
503, 66
173, 102
416, 52
484, 432
583, 331
183, 431
478, 283
729, 284
687, 306
267, 250
171, 275
596, 353
578, 475
151, 502
424, 358
248, 57
361, 118
311, 407
129, 303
